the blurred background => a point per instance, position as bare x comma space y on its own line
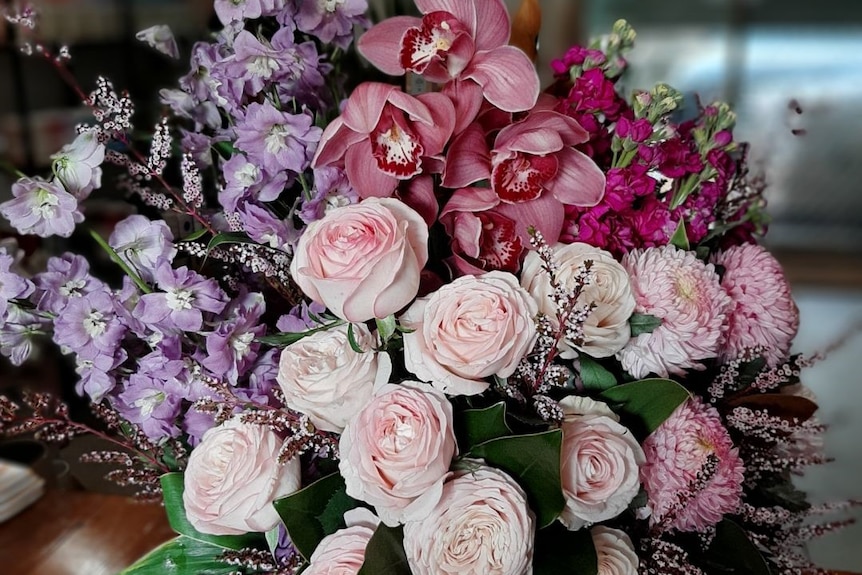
791, 68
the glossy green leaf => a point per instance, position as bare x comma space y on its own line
172, 486
680, 238
648, 402
196, 235
314, 512
475, 426
559, 550
641, 323
594, 376
732, 551
351, 339
181, 556
534, 461
384, 554
285, 339
229, 238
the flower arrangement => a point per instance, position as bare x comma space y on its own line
484, 328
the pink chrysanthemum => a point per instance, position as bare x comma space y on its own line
685, 294
763, 312
693, 475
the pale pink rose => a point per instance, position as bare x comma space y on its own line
468, 330
343, 552
615, 551
322, 377
600, 464
363, 261
607, 329
233, 477
482, 525
396, 452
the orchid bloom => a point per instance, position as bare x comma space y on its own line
533, 169
457, 40
385, 136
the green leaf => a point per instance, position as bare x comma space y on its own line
643, 323
172, 486
351, 339
384, 554
594, 375
559, 550
195, 235
647, 402
225, 149
680, 238
475, 426
314, 512
181, 556
386, 328
534, 461
732, 551
285, 339
229, 238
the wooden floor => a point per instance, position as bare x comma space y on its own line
73, 532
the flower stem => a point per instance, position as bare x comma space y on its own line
119, 261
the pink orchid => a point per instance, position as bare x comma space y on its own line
483, 238
385, 136
457, 40
533, 168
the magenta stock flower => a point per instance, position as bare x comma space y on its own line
385, 136
533, 167
457, 40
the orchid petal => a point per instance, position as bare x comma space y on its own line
508, 78
435, 135
334, 142
545, 213
571, 132
492, 24
536, 142
365, 106
467, 231
458, 266
463, 10
468, 160
413, 107
364, 175
467, 98
419, 195
381, 45
471, 200
579, 180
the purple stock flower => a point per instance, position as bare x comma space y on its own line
332, 190
77, 165
231, 348
277, 140
300, 318
17, 332
89, 325
96, 377
200, 82
143, 244
234, 10
244, 180
186, 294
330, 20
67, 276
152, 404
41, 208
304, 79
265, 228
12, 286
257, 63
262, 380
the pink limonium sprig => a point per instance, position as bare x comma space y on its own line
537, 373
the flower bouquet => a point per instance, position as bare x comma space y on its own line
467, 327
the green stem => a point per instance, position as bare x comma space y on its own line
119, 261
